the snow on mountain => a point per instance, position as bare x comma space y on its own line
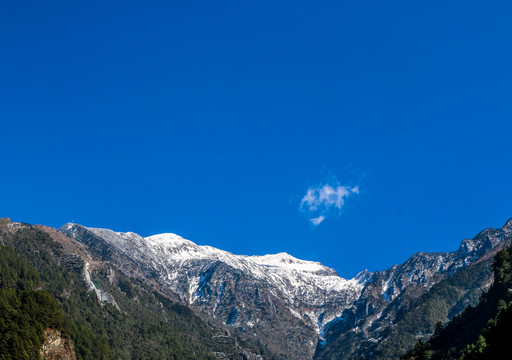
278, 296
181, 265
286, 261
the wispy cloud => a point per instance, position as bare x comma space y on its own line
326, 200
316, 221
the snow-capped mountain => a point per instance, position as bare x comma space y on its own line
246, 292
306, 282
294, 306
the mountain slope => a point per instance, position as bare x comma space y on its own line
404, 302
27, 313
301, 308
480, 332
110, 316
261, 295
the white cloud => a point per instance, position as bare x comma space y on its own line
316, 221
326, 197
325, 200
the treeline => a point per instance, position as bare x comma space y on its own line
479, 332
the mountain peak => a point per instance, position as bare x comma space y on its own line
166, 238
286, 261
508, 225
68, 226
281, 257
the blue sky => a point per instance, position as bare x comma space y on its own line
351, 133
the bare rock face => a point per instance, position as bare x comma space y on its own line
57, 347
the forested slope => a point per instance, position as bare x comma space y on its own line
480, 332
133, 322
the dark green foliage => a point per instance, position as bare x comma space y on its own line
421, 351
24, 312
81, 309
480, 332
16, 274
126, 287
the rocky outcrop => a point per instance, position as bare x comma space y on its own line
57, 347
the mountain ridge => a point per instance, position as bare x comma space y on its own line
253, 293
109, 315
